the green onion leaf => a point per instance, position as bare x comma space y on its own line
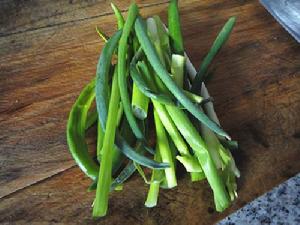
103, 67
76, 131
123, 176
145, 89
174, 28
139, 103
102, 34
91, 119
122, 50
141, 172
118, 14
217, 45
136, 157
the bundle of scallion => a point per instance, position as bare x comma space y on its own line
143, 76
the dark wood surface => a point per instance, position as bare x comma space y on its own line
49, 51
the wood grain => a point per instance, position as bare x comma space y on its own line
256, 88
22, 16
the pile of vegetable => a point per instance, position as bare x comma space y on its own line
145, 84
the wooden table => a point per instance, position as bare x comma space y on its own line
48, 52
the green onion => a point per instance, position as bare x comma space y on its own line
132, 13
91, 119
154, 58
190, 164
123, 176
164, 41
100, 136
105, 173
167, 80
102, 34
177, 69
76, 131
191, 135
129, 169
218, 43
232, 145
118, 14
155, 38
102, 73
139, 103
165, 151
213, 146
141, 172
136, 157
120, 113
156, 178
197, 176
140, 82
174, 28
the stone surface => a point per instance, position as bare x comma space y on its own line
281, 205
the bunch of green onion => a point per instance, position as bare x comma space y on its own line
144, 79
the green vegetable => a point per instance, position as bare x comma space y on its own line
189, 162
139, 103
100, 137
232, 145
164, 41
158, 66
103, 185
123, 176
105, 173
78, 119
191, 135
123, 47
76, 131
91, 119
218, 43
126, 172
174, 28
102, 34
167, 80
186, 158
102, 74
140, 82
154, 36
141, 172
156, 179
120, 18
177, 69
197, 176
133, 155
165, 152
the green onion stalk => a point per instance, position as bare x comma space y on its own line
177, 67
105, 172
156, 180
